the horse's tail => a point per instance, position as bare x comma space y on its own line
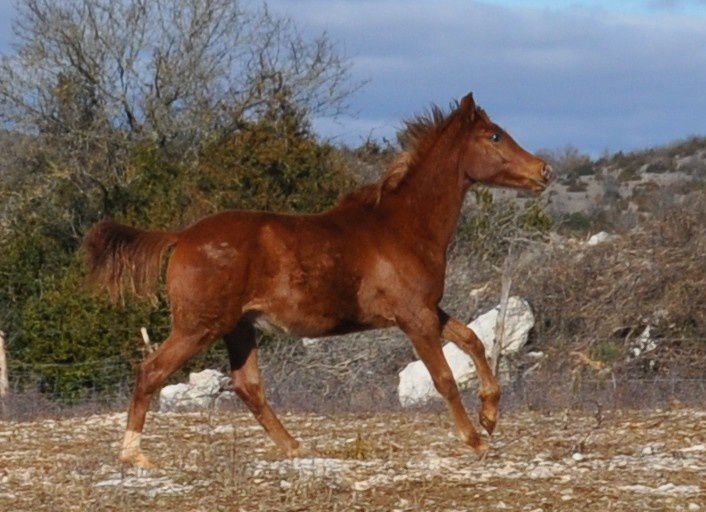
122, 257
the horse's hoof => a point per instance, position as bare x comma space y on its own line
481, 450
299, 451
138, 460
487, 423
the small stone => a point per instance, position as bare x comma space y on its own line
601, 237
694, 506
540, 472
360, 486
224, 429
309, 342
647, 450
285, 485
578, 457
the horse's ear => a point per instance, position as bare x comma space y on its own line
468, 106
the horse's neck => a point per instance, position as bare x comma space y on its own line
430, 198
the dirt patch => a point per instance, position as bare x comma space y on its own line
394, 461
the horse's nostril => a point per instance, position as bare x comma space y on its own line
547, 171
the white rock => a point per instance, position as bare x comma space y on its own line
224, 429
666, 489
208, 381
601, 237
642, 344
152, 487
310, 342
519, 320
647, 450
227, 400
171, 396
694, 506
201, 392
540, 472
416, 386
578, 457
695, 448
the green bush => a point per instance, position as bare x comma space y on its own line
607, 351
577, 222
59, 329
61, 333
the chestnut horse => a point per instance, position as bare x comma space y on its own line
375, 260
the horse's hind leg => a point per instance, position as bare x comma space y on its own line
242, 351
153, 371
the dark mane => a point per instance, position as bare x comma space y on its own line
415, 138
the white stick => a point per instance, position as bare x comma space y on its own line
505, 283
4, 383
146, 339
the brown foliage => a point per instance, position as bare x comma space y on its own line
654, 276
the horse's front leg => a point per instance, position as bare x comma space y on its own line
455, 331
424, 331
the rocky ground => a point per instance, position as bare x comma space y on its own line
385, 461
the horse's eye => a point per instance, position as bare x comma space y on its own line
495, 137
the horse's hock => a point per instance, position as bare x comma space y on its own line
416, 386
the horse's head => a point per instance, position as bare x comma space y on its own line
489, 155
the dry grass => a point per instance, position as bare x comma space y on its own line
631, 461
654, 276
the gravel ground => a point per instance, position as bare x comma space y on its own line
623, 460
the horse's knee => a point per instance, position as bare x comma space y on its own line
446, 385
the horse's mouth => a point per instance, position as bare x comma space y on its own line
539, 184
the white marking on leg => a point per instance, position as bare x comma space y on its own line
131, 444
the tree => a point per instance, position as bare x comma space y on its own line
155, 112
91, 79
170, 70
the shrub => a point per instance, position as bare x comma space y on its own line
494, 224
53, 323
577, 186
577, 222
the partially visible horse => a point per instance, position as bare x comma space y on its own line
375, 260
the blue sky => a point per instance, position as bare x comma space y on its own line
615, 75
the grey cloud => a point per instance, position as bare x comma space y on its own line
596, 79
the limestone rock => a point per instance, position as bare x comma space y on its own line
600, 237
416, 386
201, 392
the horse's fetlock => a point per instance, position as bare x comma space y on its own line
491, 393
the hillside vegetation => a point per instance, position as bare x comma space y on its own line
197, 144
